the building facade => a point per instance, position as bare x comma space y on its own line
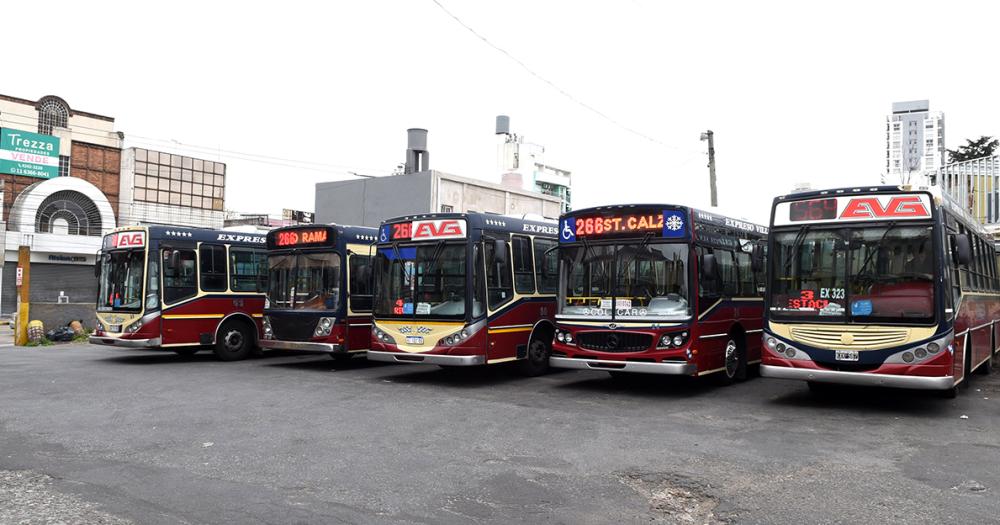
60, 169
366, 202
522, 165
914, 142
163, 188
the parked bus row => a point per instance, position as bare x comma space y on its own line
888, 286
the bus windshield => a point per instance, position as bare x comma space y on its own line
120, 283
880, 274
304, 281
426, 280
632, 281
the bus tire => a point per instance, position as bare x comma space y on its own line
987, 367
536, 362
234, 342
187, 351
966, 363
734, 361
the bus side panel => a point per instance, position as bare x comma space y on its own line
751, 318
711, 331
360, 333
188, 322
510, 328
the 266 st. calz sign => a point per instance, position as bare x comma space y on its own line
28, 154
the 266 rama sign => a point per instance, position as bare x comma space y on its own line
28, 154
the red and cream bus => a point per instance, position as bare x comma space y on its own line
885, 286
181, 289
659, 289
319, 295
465, 289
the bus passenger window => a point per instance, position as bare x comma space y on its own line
499, 289
524, 268
547, 270
179, 279
743, 266
213, 268
360, 287
248, 269
478, 288
727, 271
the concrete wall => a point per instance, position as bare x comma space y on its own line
367, 202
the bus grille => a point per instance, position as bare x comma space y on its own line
848, 337
293, 327
614, 341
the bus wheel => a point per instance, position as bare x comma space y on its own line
735, 360
537, 361
187, 351
235, 342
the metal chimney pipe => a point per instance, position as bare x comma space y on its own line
417, 156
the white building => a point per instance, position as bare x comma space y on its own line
522, 166
914, 142
163, 188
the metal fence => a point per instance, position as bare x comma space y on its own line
975, 185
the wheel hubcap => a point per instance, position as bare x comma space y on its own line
233, 341
537, 351
732, 358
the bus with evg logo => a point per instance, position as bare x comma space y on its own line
461, 289
319, 295
180, 289
889, 286
659, 289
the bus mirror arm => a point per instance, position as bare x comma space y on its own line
961, 249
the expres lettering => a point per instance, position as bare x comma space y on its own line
242, 238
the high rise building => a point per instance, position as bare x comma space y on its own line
914, 141
522, 166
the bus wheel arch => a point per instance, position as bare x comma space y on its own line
236, 337
536, 360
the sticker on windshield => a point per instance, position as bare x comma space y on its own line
861, 307
832, 309
407, 308
605, 304
623, 304
423, 308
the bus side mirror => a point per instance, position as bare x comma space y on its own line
709, 268
757, 259
500, 251
961, 249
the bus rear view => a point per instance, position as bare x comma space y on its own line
877, 286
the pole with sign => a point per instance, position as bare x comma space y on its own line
23, 290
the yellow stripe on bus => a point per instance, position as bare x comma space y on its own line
194, 316
507, 330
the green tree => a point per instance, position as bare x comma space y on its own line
984, 146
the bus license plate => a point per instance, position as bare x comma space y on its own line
847, 355
414, 340
115, 328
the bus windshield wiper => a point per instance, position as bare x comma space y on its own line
871, 254
438, 250
799, 237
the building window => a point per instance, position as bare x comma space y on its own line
64, 165
52, 113
447, 208
70, 213
180, 181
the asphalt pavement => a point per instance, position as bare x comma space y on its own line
101, 435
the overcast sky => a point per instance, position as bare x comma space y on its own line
795, 92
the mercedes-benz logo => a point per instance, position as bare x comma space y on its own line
612, 326
612, 341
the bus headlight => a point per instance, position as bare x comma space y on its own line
672, 340
678, 340
933, 348
564, 337
266, 324
771, 342
383, 337
323, 327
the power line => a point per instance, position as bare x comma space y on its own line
561, 91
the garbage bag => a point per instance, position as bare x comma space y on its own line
63, 333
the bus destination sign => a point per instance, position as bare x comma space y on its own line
662, 223
299, 237
843, 208
423, 230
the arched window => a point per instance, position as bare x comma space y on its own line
52, 113
69, 212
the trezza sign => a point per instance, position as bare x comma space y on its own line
854, 208
28, 154
424, 230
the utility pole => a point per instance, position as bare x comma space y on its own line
710, 137
23, 293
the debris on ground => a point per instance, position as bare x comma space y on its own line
674, 498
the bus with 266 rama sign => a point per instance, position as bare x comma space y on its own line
180, 289
319, 289
885, 286
659, 289
465, 289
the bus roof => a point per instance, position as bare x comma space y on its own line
700, 216
158, 232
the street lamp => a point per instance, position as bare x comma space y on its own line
710, 137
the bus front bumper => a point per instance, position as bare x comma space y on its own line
673, 369
427, 359
306, 346
124, 343
858, 378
